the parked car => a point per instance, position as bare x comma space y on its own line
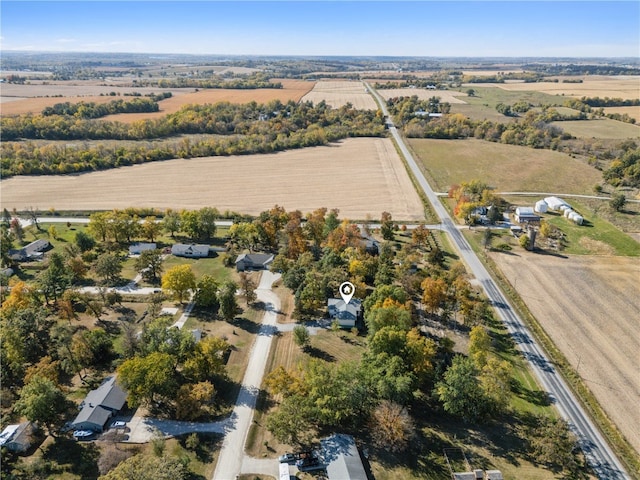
118, 424
287, 458
82, 434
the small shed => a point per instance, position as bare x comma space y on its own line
493, 475
526, 215
253, 261
138, 248
576, 218
190, 251
17, 438
541, 206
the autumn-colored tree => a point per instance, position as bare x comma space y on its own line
296, 243
248, 287
479, 345
344, 236
386, 226
315, 226
495, 379
434, 293
21, 296
283, 382
207, 360
391, 426
178, 281
148, 378
420, 236
192, 399
244, 235
151, 228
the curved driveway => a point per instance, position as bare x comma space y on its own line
598, 453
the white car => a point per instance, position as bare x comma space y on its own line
82, 433
118, 424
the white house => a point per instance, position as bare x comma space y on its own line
347, 314
190, 251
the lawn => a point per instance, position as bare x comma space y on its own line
600, 128
491, 96
509, 168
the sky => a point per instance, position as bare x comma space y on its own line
351, 28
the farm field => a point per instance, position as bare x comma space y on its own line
604, 128
509, 168
633, 112
360, 176
623, 86
589, 307
424, 94
339, 93
292, 90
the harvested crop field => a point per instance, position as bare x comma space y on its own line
633, 112
423, 94
360, 176
623, 86
589, 307
604, 128
292, 90
339, 93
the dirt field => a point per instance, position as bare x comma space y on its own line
624, 86
339, 93
359, 176
423, 94
589, 306
292, 90
633, 112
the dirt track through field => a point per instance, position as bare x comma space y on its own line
360, 176
590, 307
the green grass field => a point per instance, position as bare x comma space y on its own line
506, 167
491, 96
604, 128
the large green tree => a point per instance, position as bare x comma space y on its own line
179, 281
227, 300
149, 265
42, 401
149, 467
148, 379
460, 390
108, 267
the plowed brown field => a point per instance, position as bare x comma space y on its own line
360, 176
339, 93
590, 307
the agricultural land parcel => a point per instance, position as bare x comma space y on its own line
21, 99
339, 93
360, 176
449, 96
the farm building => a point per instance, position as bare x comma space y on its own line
190, 251
253, 261
138, 248
342, 458
17, 438
347, 314
575, 217
541, 206
556, 204
526, 215
33, 251
100, 405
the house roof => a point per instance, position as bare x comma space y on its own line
345, 310
108, 395
342, 458
94, 414
258, 259
18, 433
29, 250
8, 433
525, 211
182, 248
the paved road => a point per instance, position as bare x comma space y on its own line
230, 461
597, 451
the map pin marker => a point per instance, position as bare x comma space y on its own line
346, 291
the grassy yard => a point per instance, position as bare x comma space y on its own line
506, 167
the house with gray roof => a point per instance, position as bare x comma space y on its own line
18, 437
348, 315
342, 458
190, 251
100, 405
139, 247
253, 261
33, 251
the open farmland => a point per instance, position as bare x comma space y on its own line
292, 90
604, 128
423, 94
633, 112
360, 176
339, 93
589, 306
622, 86
506, 167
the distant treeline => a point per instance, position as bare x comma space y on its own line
239, 129
610, 102
572, 69
97, 110
240, 83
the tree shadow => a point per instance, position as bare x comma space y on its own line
111, 327
246, 325
76, 457
320, 354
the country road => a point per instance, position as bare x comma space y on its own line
598, 453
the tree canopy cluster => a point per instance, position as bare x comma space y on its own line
97, 110
231, 129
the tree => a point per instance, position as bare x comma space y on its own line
391, 426
248, 287
6, 245
618, 201
207, 222
301, 336
552, 442
479, 345
179, 280
207, 293
386, 226
293, 423
53, 232
495, 379
315, 226
55, 280
99, 225
471, 92
227, 299
149, 265
207, 361
171, 222
108, 267
149, 467
244, 235
84, 241
390, 314
524, 241
42, 401
17, 230
192, 398
147, 378
33, 214
460, 391
151, 228
434, 293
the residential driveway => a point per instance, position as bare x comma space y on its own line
144, 429
230, 461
